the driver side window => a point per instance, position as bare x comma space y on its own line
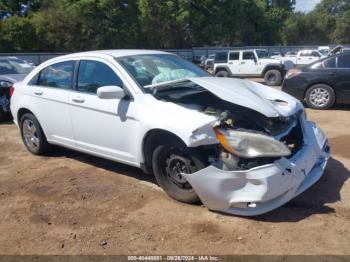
94, 74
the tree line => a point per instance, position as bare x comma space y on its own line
76, 25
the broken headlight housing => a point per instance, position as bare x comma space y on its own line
250, 145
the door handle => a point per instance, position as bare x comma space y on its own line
38, 92
230, 63
242, 63
78, 99
332, 74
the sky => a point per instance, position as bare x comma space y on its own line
306, 5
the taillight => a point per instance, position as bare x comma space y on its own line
12, 90
292, 72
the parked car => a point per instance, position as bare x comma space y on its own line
304, 57
324, 50
238, 146
12, 70
276, 54
209, 62
321, 84
290, 54
249, 63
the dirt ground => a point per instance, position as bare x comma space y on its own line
72, 203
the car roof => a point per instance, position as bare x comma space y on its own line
116, 52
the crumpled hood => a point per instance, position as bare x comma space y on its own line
263, 99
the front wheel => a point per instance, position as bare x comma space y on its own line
170, 163
320, 96
221, 73
273, 77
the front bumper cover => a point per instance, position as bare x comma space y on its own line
262, 189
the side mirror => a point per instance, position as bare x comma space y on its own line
110, 92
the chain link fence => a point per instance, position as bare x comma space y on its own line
194, 54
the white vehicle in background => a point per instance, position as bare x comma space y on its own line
209, 59
324, 50
250, 63
304, 57
238, 146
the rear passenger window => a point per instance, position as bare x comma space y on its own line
248, 56
329, 63
94, 74
234, 56
57, 75
344, 61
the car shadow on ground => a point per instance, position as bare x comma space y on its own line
118, 168
315, 200
341, 107
5, 120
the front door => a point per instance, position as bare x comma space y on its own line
105, 127
342, 84
248, 63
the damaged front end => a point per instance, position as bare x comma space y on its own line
263, 159
238, 189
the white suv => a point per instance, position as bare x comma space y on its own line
238, 146
250, 63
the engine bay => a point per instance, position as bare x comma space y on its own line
234, 117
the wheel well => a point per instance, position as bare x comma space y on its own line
313, 84
151, 140
21, 112
271, 68
218, 69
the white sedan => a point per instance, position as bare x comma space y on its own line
237, 146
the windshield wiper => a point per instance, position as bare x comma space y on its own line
167, 83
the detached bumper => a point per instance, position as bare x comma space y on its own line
262, 189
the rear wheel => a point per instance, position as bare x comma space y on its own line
221, 73
170, 163
273, 77
320, 96
32, 135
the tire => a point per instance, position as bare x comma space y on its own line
221, 73
32, 135
168, 157
273, 77
320, 96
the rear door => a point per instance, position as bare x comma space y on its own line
102, 126
342, 83
234, 63
50, 90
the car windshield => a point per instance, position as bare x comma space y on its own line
14, 66
262, 53
154, 69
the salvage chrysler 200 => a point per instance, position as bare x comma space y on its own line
237, 146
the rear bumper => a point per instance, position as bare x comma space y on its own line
262, 189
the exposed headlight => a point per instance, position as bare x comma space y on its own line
250, 145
